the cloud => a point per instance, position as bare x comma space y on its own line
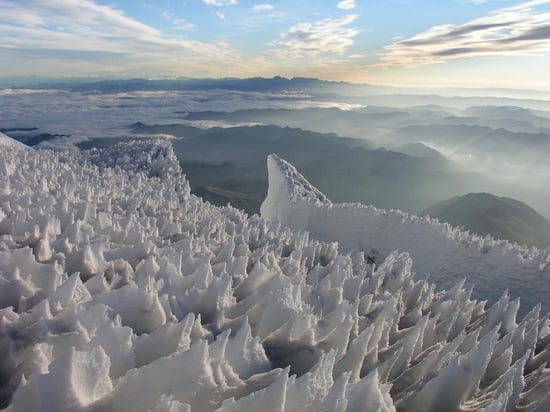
324, 36
346, 4
82, 12
178, 23
516, 30
220, 15
263, 7
220, 3
80, 36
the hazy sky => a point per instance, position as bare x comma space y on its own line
432, 43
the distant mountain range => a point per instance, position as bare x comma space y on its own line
112, 85
500, 217
276, 83
508, 145
230, 162
227, 165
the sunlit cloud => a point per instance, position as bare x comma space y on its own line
81, 36
516, 30
220, 3
346, 4
263, 7
73, 13
324, 36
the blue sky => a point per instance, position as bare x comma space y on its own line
477, 43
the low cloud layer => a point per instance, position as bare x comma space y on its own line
517, 30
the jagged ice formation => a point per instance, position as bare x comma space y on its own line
439, 250
121, 291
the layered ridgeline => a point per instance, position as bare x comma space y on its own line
121, 291
441, 251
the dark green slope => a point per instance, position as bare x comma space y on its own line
345, 169
500, 217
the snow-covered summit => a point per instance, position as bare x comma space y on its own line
121, 291
445, 253
286, 183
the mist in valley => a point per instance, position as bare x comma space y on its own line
391, 148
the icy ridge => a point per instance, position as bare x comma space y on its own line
120, 291
285, 182
8, 141
447, 254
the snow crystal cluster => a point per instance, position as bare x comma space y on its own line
444, 253
121, 291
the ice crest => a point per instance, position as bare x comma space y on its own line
445, 253
6, 141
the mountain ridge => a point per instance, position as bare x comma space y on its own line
444, 252
501, 217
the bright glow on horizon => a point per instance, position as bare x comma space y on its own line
404, 42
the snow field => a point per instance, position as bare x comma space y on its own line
121, 291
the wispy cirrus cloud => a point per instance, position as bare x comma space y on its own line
324, 36
178, 23
346, 4
516, 30
262, 7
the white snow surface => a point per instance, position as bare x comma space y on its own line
8, 141
121, 291
439, 250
